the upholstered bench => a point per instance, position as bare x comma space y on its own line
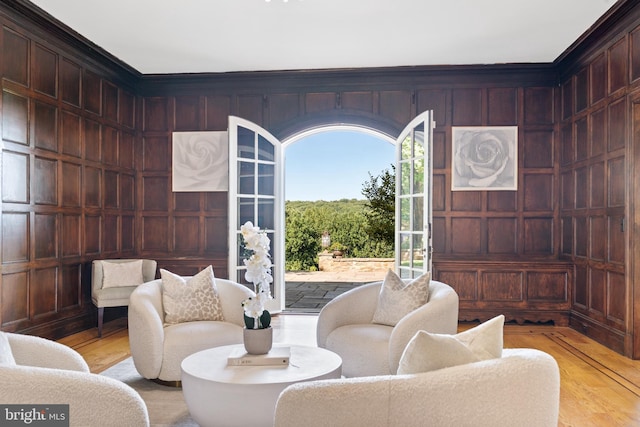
113, 280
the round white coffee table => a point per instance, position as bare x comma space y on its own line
221, 395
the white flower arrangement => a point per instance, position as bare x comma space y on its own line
259, 273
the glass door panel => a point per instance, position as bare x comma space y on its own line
266, 179
255, 186
413, 197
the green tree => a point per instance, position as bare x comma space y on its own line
301, 243
344, 220
380, 192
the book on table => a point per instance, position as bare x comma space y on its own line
276, 356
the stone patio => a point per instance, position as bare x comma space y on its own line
308, 292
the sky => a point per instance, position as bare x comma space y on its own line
333, 165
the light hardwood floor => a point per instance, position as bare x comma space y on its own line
598, 386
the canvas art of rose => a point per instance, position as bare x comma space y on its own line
485, 158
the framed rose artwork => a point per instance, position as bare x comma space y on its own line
200, 161
484, 158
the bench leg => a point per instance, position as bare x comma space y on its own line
100, 319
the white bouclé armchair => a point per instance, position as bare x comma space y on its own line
158, 349
345, 327
520, 389
46, 373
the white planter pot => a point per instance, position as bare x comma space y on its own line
258, 341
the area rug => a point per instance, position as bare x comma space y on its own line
166, 405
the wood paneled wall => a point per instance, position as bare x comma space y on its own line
509, 229
68, 181
184, 231
599, 88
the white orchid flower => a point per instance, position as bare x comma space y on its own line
258, 268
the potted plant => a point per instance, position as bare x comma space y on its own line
338, 249
258, 335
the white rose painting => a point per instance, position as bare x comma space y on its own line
484, 158
200, 161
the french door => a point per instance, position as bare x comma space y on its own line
414, 169
255, 194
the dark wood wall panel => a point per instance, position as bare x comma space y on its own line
15, 118
44, 72
397, 106
598, 131
218, 109
538, 236
285, 107
502, 106
110, 233
318, 102
360, 101
15, 298
582, 89
15, 53
45, 181
92, 142
15, 185
110, 101
127, 109
156, 153
45, 237
126, 154
467, 107
534, 291
109, 145
92, 90
15, 237
538, 106
92, 233
618, 60
71, 182
43, 292
155, 234
44, 126
501, 235
70, 134
538, 149
438, 100
70, 82
187, 113
598, 78
502, 201
69, 290
250, 107
127, 233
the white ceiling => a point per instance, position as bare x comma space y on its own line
192, 36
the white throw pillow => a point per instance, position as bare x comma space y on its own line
6, 355
397, 298
428, 352
188, 300
121, 274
